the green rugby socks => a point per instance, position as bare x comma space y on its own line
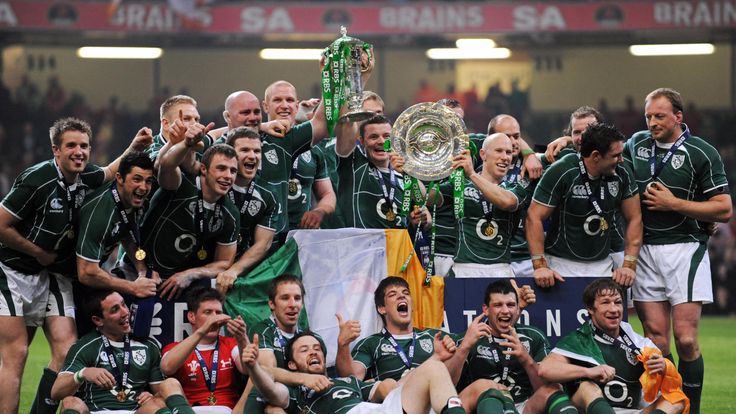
692, 381
43, 404
558, 403
599, 406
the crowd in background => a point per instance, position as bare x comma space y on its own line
29, 110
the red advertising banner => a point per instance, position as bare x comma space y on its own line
364, 18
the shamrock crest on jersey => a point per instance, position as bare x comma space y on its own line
139, 356
271, 156
426, 345
678, 160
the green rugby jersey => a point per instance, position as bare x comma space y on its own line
144, 369
39, 203
327, 147
308, 167
483, 363
575, 231
273, 338
259, 211
381, 359
101, 226
277, 157
344, 394
169, 229
479, 241
360, 196
695, 172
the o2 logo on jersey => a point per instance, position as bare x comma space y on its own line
485, 230
590, 229
381, 210
617, 391
185, 243
341, 394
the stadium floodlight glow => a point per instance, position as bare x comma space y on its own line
672, 49
461, 54
290, 54
95, 52
475, 43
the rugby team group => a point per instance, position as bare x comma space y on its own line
195, 206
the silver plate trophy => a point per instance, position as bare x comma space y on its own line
354, 96
428, 135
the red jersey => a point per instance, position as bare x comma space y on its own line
228, 387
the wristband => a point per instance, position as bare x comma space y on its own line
540, 263
526, 151
78, 378
629, 262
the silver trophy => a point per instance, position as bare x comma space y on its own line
428, 135
355, 66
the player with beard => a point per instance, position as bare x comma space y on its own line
257, 207
206, 363
484, 233
108, 371
191, 230
286, 300
683, 186
427, 387
506, 353
38, 221
599, 363
581, 192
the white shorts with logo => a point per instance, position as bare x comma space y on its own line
390, 405
35, 296
572, 268
442, 264
462, 270
523, 268
676, 273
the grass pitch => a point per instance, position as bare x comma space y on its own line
717, 342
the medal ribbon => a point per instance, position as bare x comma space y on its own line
388, 195
211, 381
279, 335
70, 197
246, 198
199, 217
487, 208
653, 167
134, 230
513, 175
407, 360
120, 378
457, 178
595, 201
623, 340
505, 361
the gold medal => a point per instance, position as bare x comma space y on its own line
390, 215
305, 410
604, 224
202, 254
489, 231
70, 233
293, 187
140, 254
121, 396
211, 400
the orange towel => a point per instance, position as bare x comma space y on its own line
669, 384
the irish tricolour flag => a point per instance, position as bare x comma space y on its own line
340, 270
